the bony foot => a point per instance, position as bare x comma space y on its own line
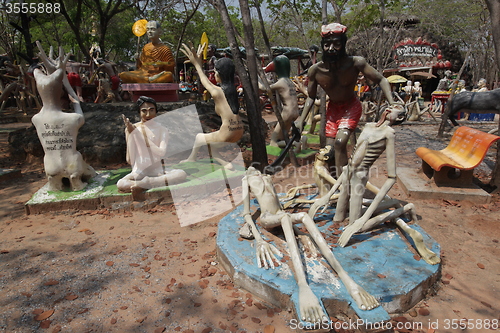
246, 231
430, 257
363, 299
310, 307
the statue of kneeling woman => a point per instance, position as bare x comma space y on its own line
146, 147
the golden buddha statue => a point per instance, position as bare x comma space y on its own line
156, 62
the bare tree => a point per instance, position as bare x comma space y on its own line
338, 9
75, 22
106, 11
249, 81
189, 15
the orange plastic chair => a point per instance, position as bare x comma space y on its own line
466, 150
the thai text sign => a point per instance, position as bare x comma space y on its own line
415, 50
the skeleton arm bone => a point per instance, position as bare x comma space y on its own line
266, 253
323, 201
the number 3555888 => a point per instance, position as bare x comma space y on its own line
32, 8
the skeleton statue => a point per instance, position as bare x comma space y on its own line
273, 215
323, 181
372, 142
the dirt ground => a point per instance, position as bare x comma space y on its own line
139, 271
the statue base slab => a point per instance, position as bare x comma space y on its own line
382, 261
416, 185
204, 179
161, 92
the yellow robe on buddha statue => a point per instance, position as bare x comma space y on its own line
155, 65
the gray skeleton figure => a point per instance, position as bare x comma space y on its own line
273, 215
372, 142
323, 181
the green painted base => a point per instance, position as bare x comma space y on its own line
102, 192
303, 157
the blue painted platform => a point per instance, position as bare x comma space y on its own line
381, 261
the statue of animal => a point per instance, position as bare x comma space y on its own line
477, 102
467, 101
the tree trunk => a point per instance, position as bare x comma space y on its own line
263, 29
257, 137
324, 12
494, 8
189, 16
74, 24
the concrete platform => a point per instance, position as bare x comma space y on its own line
161, 92
416, 185
382, 262
204, 179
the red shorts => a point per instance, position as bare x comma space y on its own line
342, 115
74, 79
115, 82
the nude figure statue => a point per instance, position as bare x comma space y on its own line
226, 106
372, 142
285, 89
273, 215
58, 130
147, 143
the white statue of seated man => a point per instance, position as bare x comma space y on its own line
58, 130
146, 147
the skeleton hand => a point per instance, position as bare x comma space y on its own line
266, 254
350, 230
323, 201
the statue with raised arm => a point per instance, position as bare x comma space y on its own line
372, 142
147, 143
226, 106
156, 63
337, 74
58, 130
272, 215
